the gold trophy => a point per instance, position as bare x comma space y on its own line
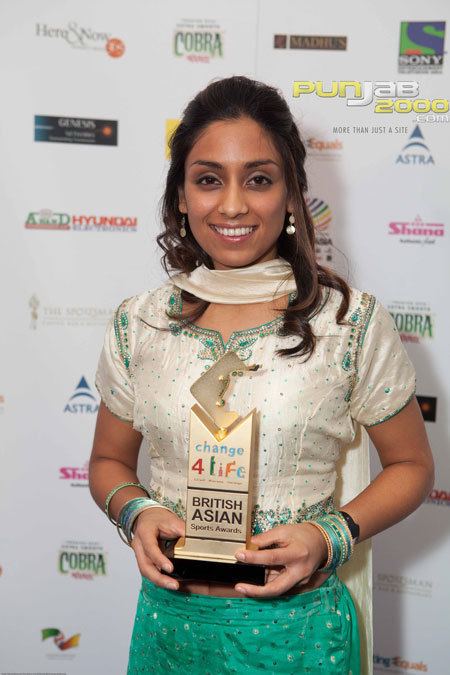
220, 469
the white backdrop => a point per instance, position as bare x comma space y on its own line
78, 236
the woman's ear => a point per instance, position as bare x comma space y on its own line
182, 206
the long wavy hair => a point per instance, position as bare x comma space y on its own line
230, 99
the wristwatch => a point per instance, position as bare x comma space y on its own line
352, 526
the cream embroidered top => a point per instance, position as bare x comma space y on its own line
359, 373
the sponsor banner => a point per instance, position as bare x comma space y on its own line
322, 218
428, 406
416, 152
398, 664
75, 476
439, 497
398, 583
416, 231
198, 40
81, 37
46, 219
66, 316
63, 645
50, 129
82, 401
321, 148
324, 42
82, 560
414, 320
421, 47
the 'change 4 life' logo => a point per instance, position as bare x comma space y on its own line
82, 400
415, 151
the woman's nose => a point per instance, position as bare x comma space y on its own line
232, 201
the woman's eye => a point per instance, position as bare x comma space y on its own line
259, 180
268, 181
200, 180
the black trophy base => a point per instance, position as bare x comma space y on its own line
225, 573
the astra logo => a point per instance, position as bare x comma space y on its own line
82, 400
415, 151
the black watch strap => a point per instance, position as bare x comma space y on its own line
352, 526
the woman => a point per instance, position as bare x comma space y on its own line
238, 232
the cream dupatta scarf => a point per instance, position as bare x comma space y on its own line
263, 282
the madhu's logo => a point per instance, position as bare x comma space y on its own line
59, 639
321, 215
416, 150
82, 400
421, 46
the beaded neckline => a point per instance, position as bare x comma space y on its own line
213, 343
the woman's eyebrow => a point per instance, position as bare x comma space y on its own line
247, 165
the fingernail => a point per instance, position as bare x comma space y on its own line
240, 589
240, 555
172, 586
167, 567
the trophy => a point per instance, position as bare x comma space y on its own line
219, 483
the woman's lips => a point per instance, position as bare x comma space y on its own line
234, 237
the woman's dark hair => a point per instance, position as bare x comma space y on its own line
230, 99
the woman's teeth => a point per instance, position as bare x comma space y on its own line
233, 232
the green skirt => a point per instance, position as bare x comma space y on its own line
311, 632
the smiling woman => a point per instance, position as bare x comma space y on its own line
239, 235
235, 207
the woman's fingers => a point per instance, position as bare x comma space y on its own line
272, 556
148, 567
283, 582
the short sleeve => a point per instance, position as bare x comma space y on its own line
112, 379
385, 378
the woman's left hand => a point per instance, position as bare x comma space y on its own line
301, 549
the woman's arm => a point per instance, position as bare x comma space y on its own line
113, 461
403, 484
407, 476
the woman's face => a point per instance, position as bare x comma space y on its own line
234, 179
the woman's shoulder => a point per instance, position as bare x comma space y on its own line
360, 308
148, 307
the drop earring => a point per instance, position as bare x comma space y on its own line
182, 228
291, 227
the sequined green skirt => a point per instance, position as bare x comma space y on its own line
312, 632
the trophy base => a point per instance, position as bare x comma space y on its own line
226, 573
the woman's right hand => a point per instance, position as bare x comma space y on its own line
150, 526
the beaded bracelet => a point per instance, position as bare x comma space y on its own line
116, 489
130, 511
338, 537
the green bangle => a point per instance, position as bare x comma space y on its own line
116, 489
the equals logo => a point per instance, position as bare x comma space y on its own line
82, 400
